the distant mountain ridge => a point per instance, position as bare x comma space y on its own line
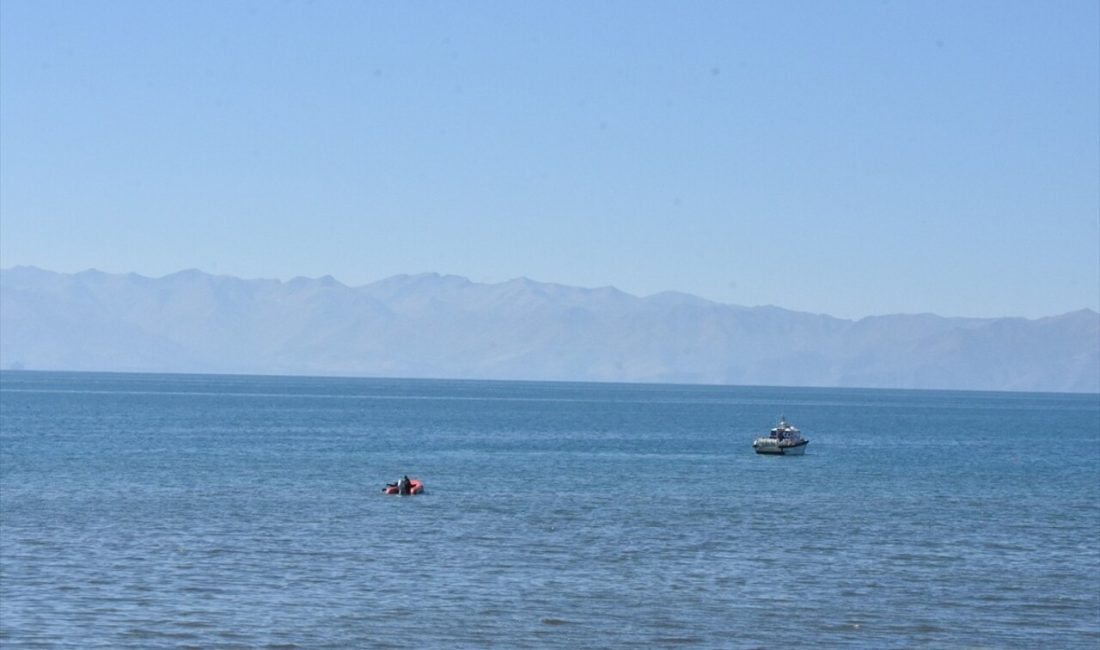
446, 326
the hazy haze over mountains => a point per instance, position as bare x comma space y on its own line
430, 325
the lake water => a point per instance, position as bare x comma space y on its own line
175, 511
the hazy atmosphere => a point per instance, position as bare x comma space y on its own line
429, 325
549, 324
849, 158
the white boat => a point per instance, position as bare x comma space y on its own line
784, 440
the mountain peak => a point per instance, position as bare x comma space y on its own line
325, 281
670, 298
189, 275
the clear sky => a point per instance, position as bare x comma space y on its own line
849, 158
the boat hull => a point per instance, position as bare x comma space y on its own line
769, 448
416, 486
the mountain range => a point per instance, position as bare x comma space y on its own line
445, 326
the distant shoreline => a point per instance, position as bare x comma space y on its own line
563, 382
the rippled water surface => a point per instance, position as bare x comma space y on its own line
194, 511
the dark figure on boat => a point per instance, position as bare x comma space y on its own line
405, 486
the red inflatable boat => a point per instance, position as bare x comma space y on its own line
416, 486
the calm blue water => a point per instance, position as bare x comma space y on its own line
197, 511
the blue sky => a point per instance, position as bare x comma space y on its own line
849, 158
